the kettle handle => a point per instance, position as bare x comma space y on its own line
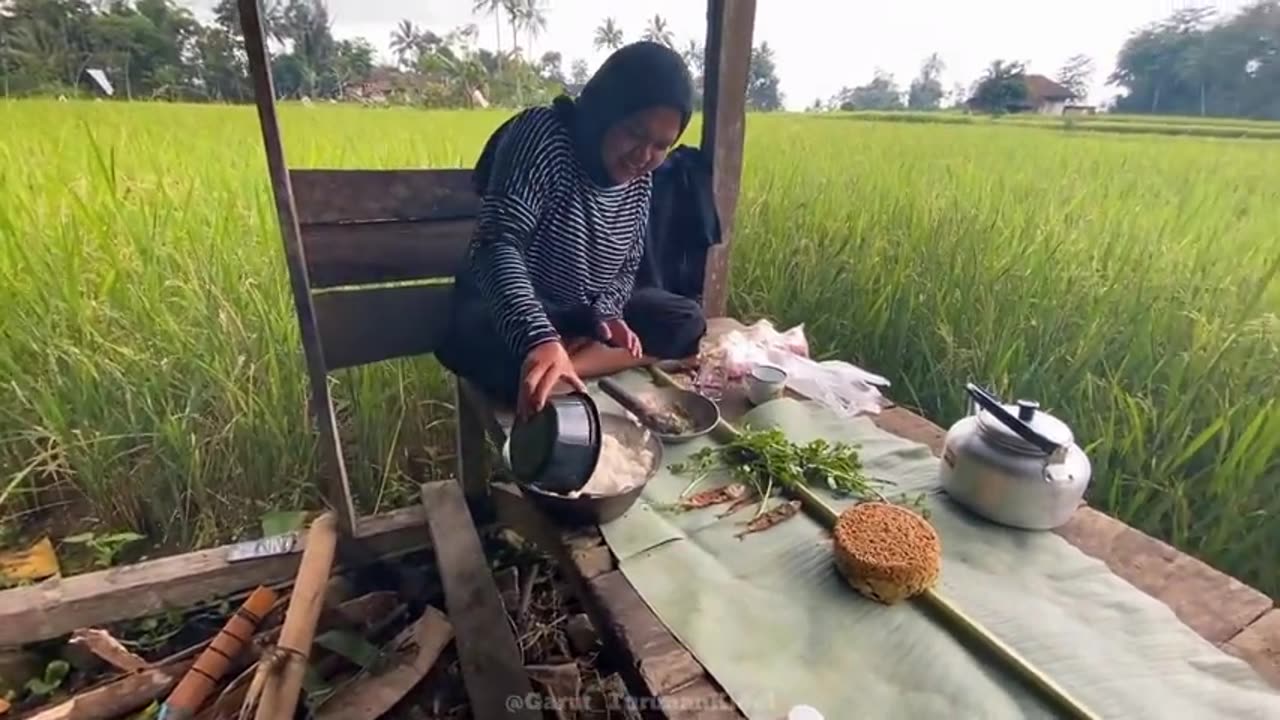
993, 406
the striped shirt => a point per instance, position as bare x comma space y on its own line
547, 234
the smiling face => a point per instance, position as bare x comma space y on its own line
639, 142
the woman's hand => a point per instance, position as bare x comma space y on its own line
617, 334
544, 367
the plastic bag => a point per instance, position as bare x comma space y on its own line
847, 389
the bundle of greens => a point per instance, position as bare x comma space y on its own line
765, 460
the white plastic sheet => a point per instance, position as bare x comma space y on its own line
846, 389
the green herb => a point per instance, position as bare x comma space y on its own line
765, 459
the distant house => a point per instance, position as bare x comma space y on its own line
1045, 96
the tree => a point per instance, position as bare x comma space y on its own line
926, 90
1194, 63
608, 35
1003, 86
763, 85
1076, 75
578, 72
404, 42
881, 94
493, 8
657, 31
532, 18
550, 69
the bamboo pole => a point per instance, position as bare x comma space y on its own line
951, 616
282, 688
201, 680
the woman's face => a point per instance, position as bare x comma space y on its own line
639, 143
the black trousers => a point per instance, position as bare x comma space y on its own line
669, 326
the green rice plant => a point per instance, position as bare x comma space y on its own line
151, 376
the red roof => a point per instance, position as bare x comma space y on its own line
1042, 89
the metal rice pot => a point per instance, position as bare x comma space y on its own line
1014, 464
557, 448
585, 509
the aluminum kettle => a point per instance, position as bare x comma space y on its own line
1014, 464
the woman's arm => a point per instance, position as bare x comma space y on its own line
518, 186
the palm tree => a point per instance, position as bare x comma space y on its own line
658, 32
404, 41
608, 35
533, 18
494, 8
514, 10
694, 56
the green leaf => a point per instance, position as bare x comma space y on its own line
79, 538
54, 673
281, 522
351, 646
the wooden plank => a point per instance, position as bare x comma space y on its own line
59, 606
374, 324
1259, 645
729, 31
471, 442
1214, 604
664, 664
653, 660
697, 700
339, 255
373, 695
337, 490
337, 196
117, 697
492, 668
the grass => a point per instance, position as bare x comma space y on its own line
1230, 128
151, 377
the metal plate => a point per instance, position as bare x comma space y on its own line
263, 547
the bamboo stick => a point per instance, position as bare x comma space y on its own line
952, 617
199, 682
282, 688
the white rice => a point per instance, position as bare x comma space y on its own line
620, 468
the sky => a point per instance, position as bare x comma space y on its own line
819, 45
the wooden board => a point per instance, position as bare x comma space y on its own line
728, 60
373, 695
653, 661
358, 327
337, 490
339, 196
59, 606
492, 668
1259, 645
364, 253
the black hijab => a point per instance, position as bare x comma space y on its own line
634, 78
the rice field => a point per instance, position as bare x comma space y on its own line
151, 376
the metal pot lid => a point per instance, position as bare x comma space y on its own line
1029, 412
532, 443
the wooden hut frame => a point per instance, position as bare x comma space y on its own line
343, 229
412, 221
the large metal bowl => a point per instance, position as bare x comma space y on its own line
598, 509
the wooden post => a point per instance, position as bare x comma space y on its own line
338, 491
724, 103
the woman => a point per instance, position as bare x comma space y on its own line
546, 298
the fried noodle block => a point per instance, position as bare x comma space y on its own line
886, 552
